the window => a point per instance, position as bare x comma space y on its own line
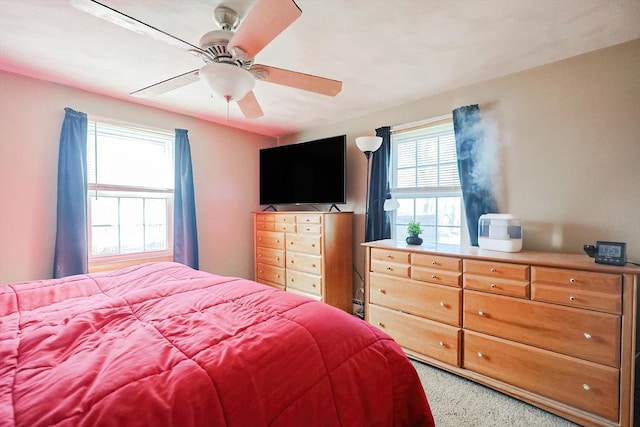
424, 180
130, 192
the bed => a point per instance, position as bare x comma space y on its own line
161, 344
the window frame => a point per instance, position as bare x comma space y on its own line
422, 192
94, 189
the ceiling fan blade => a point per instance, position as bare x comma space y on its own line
250, 107
265, 21
167, 85
109, 14
307, 82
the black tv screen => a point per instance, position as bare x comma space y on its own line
306, 173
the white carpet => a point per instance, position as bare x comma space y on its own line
458, 402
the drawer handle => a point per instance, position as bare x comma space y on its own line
381, 324
442, 304
572, 298
313, 245
277, 276
313, 265
587, 335
493, 286
389, 269
441, 344
277, 258
382, 291
389, 256
291, 261
586, 387
277, 240
291, 243
307, 229
493, 270
308, 220
313, 285
433, 276
434, 263
480, 313
480, 354
572, 280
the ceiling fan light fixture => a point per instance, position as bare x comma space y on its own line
227, 81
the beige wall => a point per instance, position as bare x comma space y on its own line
568, 135
225, 163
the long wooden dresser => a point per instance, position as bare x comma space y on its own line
308, 253
555, 330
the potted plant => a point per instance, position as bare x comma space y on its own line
414, 229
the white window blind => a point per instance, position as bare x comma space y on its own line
128, 156
426, 157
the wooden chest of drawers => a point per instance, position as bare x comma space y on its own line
307, 253
555, 330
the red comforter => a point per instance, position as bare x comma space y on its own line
165, 345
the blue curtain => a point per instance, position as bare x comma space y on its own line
71, 256
185, 234
378, 224
477, 194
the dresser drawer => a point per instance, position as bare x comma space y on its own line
270, 239
306, 243
304, 282
514, 288
285, 219
581, 333
392, 268
270, 256
285, 226
597, 291
578, 383
270, 273
432, 339
439, 303
390, 256
497, 270
266, 226
265, 217
309, 219
437, 262
442, 277
309, 228
304, 262
304, 294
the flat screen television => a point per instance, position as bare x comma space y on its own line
313, 172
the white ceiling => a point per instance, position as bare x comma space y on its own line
386, 52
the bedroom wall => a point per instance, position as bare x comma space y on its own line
225, 163
568, 135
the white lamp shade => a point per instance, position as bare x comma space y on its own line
227, 81
368, 143
391, 204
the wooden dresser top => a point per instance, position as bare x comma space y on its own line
548, 259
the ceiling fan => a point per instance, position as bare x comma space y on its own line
228, 53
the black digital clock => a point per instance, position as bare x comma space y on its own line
614, 253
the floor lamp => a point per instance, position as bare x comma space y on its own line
368, 145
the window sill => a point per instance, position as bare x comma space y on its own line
99, 266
